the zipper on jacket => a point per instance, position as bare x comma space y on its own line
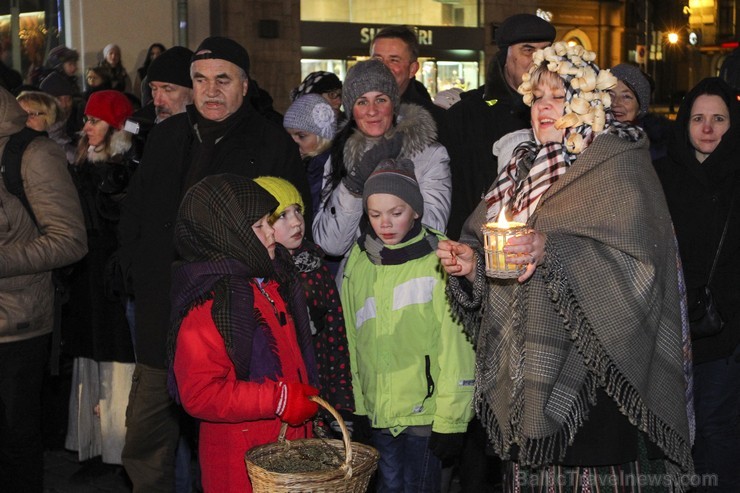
280, 316
430, 383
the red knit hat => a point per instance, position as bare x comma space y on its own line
113, 107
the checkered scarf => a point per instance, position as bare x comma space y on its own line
534, 167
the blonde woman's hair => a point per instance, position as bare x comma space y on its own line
42, 102
322, 145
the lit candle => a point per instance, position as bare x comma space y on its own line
495, 236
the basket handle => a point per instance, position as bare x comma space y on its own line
345, 433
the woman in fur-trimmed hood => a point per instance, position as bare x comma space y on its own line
378, 127
582, 370
95, 327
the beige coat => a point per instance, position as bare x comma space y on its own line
27, 253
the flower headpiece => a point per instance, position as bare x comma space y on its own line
587, 89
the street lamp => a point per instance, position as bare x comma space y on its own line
673, 38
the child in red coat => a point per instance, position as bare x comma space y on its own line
241, 345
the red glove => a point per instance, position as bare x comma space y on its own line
292, 404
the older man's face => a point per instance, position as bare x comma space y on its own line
518, 61
219, 88
169, 99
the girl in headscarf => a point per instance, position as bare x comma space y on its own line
241, 349
581, 380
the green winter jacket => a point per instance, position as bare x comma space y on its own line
411, 363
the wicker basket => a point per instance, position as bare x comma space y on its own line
351, 477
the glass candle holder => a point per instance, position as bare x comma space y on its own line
495, 236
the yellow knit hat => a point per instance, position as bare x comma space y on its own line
284, 191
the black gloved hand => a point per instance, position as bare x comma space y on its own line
361, 429
446, 445
385, 148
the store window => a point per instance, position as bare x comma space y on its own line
436, 75
38, 30
459, 13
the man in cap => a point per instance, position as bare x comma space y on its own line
219, 133
170, 82
486, 114
398, 48
170, 89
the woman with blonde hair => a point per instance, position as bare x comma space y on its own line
42, 109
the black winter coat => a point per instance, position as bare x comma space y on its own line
252, 146
94, 323
699, 196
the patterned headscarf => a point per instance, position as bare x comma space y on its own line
221, 254
535, 166
215, 222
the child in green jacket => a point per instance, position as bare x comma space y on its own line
412, 366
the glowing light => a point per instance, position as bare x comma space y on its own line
673, 38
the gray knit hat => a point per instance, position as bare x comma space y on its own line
312, 113
395, 177
367, 76
637, 83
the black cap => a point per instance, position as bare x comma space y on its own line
224, 49
524, 28
172, 66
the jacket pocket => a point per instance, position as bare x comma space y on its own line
26, 303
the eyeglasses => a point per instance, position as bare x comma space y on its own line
90, 120
35, 114
336, 94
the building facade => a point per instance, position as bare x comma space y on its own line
287, 39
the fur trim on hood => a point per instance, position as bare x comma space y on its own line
120, 143
415, 123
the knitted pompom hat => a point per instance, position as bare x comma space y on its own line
313, 114
395, 177
368, 76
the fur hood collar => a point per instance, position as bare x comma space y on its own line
120, 143
415, 123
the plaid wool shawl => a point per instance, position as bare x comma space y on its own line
602, 310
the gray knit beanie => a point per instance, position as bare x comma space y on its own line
395, 177
312, 113
637, 83
367, 76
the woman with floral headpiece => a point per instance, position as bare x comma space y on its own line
581, 374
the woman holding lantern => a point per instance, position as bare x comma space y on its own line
581, 375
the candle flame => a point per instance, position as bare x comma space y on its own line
502, 222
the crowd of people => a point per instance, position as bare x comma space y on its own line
206, 265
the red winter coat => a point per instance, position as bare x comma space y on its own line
235, 415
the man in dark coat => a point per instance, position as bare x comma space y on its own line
398, 48
220, 133
486, 114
